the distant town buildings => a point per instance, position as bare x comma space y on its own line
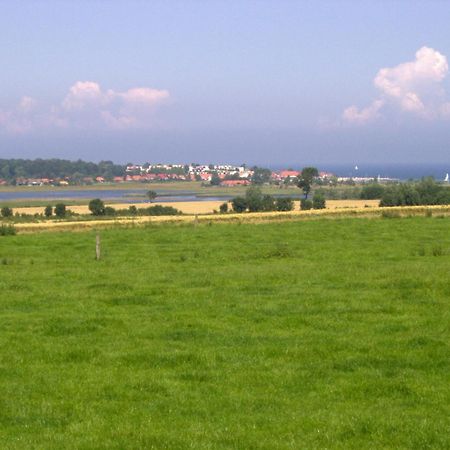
226, 175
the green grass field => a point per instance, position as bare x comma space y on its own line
295, 335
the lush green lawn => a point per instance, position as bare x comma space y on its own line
316, 334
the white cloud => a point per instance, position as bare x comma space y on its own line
360, 116
87, 106
27, 104
412, 87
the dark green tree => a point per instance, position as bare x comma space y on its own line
97, 207
306, 179
48, 211
254, 199
239, 204
60, 210
151, 195
215, 180
223, 208
267, 203
261, 175
372, 191
6, 211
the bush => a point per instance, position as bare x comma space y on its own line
305, 204
425, 192
60, 210
97, 207
318, 201
268, 203
48, 211
110, 211
6, 212
254, 199
284, 204
372, 191
133, 210
223, 208
158, 210
239, 204
7, 230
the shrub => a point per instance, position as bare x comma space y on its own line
318, 201
254, 199
284, 204
305, 204
132, 210
425, 192
158, 210
267, 203
7, 230
223, 208
97, 207
6, 212
60, 210
372, 191
110, 211
48, 211
239, 204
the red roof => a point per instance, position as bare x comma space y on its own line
289, 173
230, 183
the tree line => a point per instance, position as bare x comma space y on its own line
424, 192
255, 201
12, 169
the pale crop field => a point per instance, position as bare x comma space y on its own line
201, 207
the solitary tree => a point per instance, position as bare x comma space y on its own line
306, 178
97, 207
151, 195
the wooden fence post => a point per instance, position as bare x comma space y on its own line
97, 247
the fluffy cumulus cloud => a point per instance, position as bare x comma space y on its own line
413, 87
87, 106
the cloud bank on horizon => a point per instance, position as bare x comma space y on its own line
87, 106
413, 87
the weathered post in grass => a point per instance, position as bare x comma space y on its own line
97, 247
196, 220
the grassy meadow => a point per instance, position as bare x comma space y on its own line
291, 335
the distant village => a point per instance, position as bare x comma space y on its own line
224, 175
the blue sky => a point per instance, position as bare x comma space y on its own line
257, 81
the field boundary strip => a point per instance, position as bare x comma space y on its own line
257, 217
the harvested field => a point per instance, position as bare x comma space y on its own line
202, 207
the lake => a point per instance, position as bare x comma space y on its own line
122, 195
